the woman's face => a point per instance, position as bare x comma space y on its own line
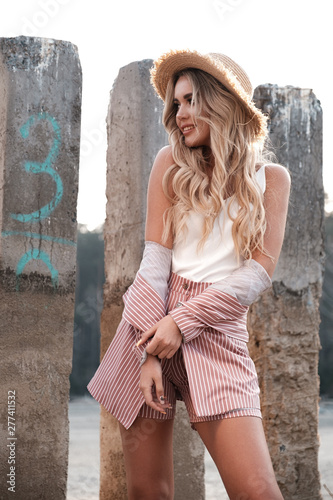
196, 132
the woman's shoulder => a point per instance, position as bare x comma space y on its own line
277, 174
164, 157
277, 183
163, 161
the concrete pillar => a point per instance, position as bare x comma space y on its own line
284, 323
40, 107
135, 134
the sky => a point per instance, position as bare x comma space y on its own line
285, 42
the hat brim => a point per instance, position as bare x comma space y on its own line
175, 61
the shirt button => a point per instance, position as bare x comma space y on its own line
185, 286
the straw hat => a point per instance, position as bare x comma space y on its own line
224, 69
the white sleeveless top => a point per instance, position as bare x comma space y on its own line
218, 258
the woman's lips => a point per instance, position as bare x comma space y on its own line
187, 129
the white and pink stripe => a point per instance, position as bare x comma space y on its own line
221, 375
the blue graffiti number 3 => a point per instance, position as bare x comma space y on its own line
43, 168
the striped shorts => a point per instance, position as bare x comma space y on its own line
225, 384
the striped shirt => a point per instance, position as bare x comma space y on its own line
221, 374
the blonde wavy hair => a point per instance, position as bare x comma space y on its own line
236, 154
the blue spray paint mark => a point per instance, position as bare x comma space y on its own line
36, 254
61, 241
45, 167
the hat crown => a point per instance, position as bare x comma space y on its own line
230, 65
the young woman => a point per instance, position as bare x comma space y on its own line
216, 216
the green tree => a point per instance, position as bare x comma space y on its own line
326, 314
88, 307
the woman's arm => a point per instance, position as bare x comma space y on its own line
157, 203
276, 200
145, 298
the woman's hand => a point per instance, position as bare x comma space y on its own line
166, 338
151, 374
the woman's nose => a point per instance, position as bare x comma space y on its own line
181, 111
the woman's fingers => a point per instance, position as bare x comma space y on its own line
160, 403
153, 347
146, 335
159, 389
163, 348
151, 375
146, 386
166, 352
164, 334
155, 405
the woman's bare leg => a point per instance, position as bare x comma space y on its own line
147, 446
239, 450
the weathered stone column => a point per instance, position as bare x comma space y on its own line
40, 107
284, 323
135, 134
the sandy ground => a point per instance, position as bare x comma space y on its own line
83, 474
